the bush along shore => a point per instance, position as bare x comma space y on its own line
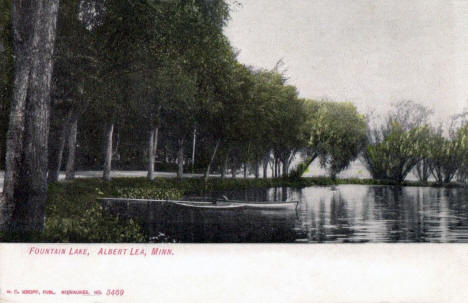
74, 214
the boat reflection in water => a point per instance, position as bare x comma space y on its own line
340, 214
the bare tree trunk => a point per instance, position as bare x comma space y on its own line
245, 170
71, 146
180, 159
257, 170
276, 167
115, 145
22, 205
193, 148
285, 168
56, 147
150, 168
207, 173
225, 165
108, 153
265, 169
152, 149
155, 143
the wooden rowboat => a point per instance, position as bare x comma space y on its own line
260, 205
208, 205
220, 205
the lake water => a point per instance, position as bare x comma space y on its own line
335, 214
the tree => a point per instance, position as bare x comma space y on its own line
398, 153
285, 116
6, 73
339, 135
462, 143
125, 27
75, 72
399, 143
447, 154
25, 184
313, 133
423, 167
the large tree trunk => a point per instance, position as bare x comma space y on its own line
108, 153
71, 146
25, 183
257, 169
56, 147
152, 149
180, 159
245, 170
207, 173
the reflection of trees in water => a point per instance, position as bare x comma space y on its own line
339, 216
262, 194
347, 214
458, 206
453, 215
415, 214
379, 213
395, 211
323, 216
280, 194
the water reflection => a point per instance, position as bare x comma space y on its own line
343, 214
384, 214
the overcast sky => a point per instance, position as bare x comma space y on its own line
368, 52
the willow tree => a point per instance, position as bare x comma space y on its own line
397, 154
398, 144
25, 185
448, 154
339, 135
462, 139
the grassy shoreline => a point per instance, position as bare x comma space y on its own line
73, 213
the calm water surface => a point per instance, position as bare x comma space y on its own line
341, 214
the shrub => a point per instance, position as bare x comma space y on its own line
149, 193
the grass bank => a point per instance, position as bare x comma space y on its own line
73, 213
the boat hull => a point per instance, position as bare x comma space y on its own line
219, 205
209, 206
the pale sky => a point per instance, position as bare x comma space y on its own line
368, 52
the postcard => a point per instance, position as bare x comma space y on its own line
233, 151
